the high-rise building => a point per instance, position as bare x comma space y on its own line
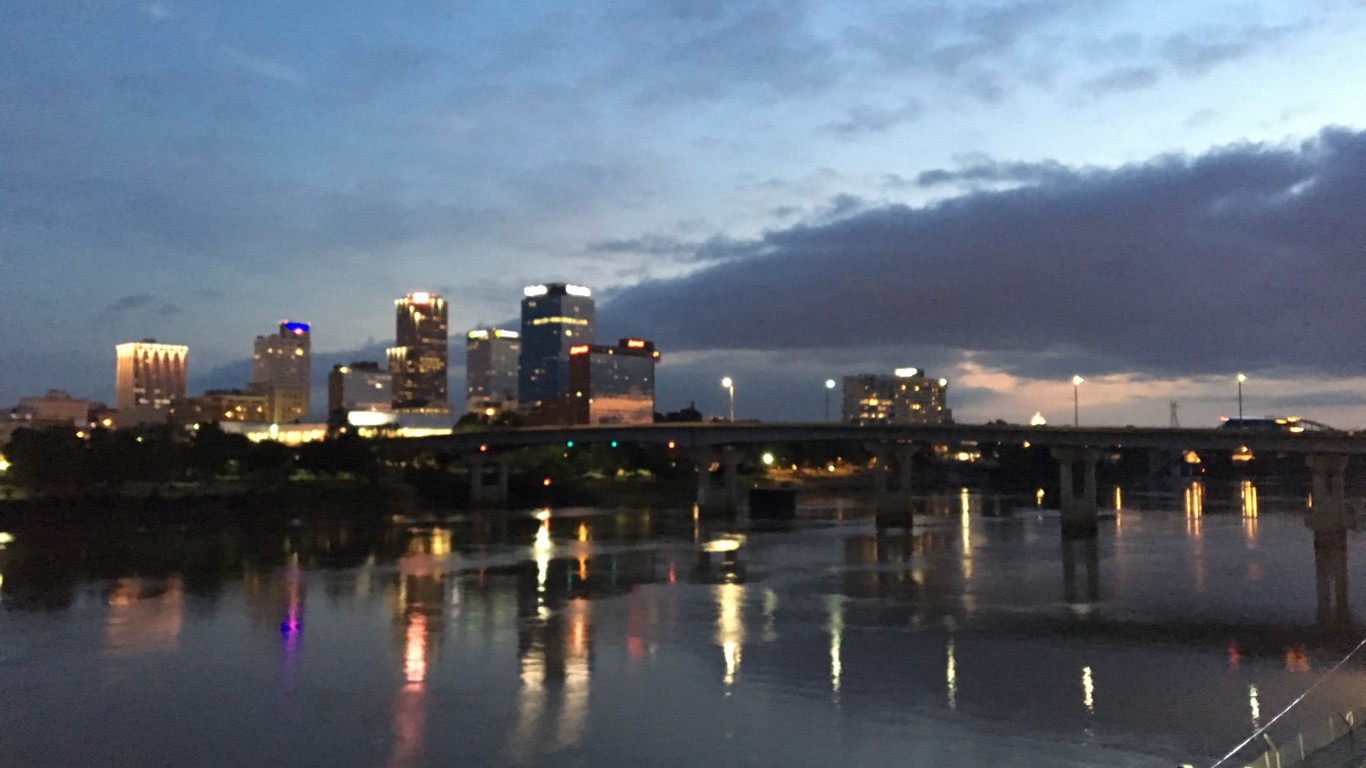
360, 386
417, 361
281, 361
492, 356
907, 397
555, 317
612, 385
149, 374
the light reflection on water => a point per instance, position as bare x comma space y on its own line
574, 636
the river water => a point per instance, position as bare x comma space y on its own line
588, 637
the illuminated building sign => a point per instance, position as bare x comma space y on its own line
420, 297
581, 349
906, 372
635, 343
535, 290
577, 290
559, 319
496, 333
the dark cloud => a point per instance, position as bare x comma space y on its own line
1122, 80
713, 249
863, 120
1198, 51
653, 245
129, 303
1244, 257
992, 171
983, 50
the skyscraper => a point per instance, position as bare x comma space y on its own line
555, 317
281, 361
418, 359
613, 385
149, 374
492, 356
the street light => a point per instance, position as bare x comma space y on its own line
729, 384
1241, 378
1076, 398
829, 385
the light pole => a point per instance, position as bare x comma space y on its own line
829, 385
1241, 378
729, 384
1076, 399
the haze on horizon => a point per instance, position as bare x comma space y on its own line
1003, 193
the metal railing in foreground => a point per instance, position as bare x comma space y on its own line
1339, 744
1297, 748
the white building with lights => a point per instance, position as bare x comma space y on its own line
906, 397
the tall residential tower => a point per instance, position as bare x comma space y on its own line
149, 374
418, 359
555, 317
280, 368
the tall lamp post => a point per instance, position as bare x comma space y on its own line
1241, 378
829, 385
1076, 400
729, 384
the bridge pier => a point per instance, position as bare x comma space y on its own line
730, 477
1331, 511
702, 459
483, 493
729, 500
1077, 490
893, 509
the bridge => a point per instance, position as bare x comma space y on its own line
1077, 450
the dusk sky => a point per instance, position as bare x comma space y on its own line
1155, 196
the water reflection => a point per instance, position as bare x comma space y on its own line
730, 627
951, 675
420, 602
144, 616
834, 624
1088, 552
1088, 690
1330, 580
577, 615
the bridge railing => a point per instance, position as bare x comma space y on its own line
1338, 743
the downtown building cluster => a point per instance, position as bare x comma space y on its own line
552, 371
549, 372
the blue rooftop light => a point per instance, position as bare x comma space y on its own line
296, 327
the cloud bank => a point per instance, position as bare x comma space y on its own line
1245, 257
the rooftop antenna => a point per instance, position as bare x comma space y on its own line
1175, 423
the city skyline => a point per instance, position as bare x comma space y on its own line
1008, 194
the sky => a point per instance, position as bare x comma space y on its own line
1153, 195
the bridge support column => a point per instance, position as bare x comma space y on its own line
475, 465
483, 493
730, 463
702, 459
881, 459
504, 470
897, 509
1078, 491
1331, 511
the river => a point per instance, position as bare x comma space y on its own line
588, 637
